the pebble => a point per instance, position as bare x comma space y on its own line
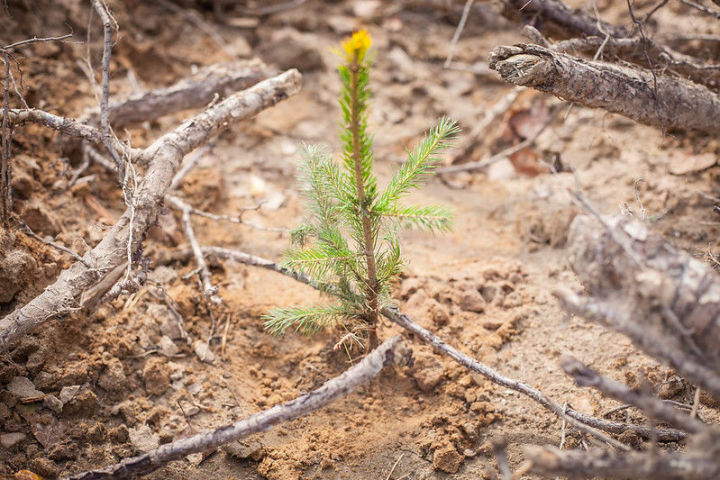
143, 438
9, 440
202, 350
67, 393
52, 403
24, 389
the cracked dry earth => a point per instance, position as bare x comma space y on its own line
157, 365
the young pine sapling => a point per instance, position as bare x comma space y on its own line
349, 242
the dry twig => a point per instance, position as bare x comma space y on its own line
636, 465
210, 291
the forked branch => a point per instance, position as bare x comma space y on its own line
165, 156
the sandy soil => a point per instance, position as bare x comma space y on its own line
123, 378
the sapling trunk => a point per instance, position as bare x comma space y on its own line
371, 290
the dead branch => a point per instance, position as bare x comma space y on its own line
667, 302
652, 406
165, 155
559, 20
101, 8
210, 291
194, 91
391, 351
633, 49
679, 104
583, 422
596, 463
5, 173
66, 126
655, 343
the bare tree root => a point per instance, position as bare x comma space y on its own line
636, 465
392, 351
195, 91
164, 155
583, 422
671, 103
667, 302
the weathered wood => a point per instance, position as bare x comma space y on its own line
667, 102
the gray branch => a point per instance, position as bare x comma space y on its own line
669, 102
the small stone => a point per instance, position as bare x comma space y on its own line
24, 389
67, 393
9, 440
163, 275
113, 378
168, 347
447, 459
83, 403
244, 450
202, 350
428, 372
169, 325
53, 403
156, 376
143, 439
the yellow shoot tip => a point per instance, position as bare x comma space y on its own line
356, 47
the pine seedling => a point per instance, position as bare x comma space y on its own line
349, 242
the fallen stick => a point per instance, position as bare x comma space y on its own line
66, 126
596, 463
210, 291
634, 49
579, 420
556, 19
562, 20
650, 405
392, 351
674, 104
165, 155
667, 302
107, 135
195, 91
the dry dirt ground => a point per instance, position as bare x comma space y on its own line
122, 379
